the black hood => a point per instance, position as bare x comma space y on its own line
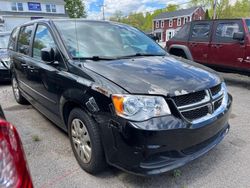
156, 75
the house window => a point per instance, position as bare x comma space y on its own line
157, 24
50, 8
185, 20
179, 22
162, 24
16, 6
170, 23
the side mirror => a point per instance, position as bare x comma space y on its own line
238, 36
48, 55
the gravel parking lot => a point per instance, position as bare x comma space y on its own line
52, 163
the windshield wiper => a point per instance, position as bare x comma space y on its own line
95, 58
140, 54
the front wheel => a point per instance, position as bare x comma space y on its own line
16, 91
86, 141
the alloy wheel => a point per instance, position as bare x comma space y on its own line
15, 88
81, 140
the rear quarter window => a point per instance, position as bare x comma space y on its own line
227, 30
224, 31
23, 44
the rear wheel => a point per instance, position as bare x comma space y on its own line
85, 141
16, 91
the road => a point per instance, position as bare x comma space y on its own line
52, 163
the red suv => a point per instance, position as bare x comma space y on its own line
220, 44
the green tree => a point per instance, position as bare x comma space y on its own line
117, 16
75, 8
224, 8
172, 8
241, 9
140, 20
207, 17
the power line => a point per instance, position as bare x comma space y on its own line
152, 11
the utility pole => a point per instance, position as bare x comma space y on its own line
214, 8
103, 10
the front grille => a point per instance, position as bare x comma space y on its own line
196, 113
196, 105
217, 104
191, 98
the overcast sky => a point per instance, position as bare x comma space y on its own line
126, 6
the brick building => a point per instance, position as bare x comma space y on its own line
166, 24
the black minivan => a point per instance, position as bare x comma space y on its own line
122, 99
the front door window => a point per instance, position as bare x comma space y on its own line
43, 39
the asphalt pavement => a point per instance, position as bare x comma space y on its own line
52, 163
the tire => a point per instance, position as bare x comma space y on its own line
16, 91
179, 53
84, 139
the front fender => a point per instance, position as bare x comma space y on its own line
184, 48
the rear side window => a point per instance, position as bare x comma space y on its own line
224, 32
43, 39
23, 44
12, 40
200, 30
227, 30
183, 33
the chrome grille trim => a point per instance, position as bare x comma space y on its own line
194, 108
189, 106
209, 101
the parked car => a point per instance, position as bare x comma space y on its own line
154, 37
4, 57
14, 170
121, 98
220, 44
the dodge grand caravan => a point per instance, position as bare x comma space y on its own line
122, 99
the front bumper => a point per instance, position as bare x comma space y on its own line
149, 152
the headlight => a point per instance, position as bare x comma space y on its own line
140, 108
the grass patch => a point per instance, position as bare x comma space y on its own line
36, 138
177, 173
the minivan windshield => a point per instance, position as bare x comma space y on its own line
4, 39
86, 39
248, 24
